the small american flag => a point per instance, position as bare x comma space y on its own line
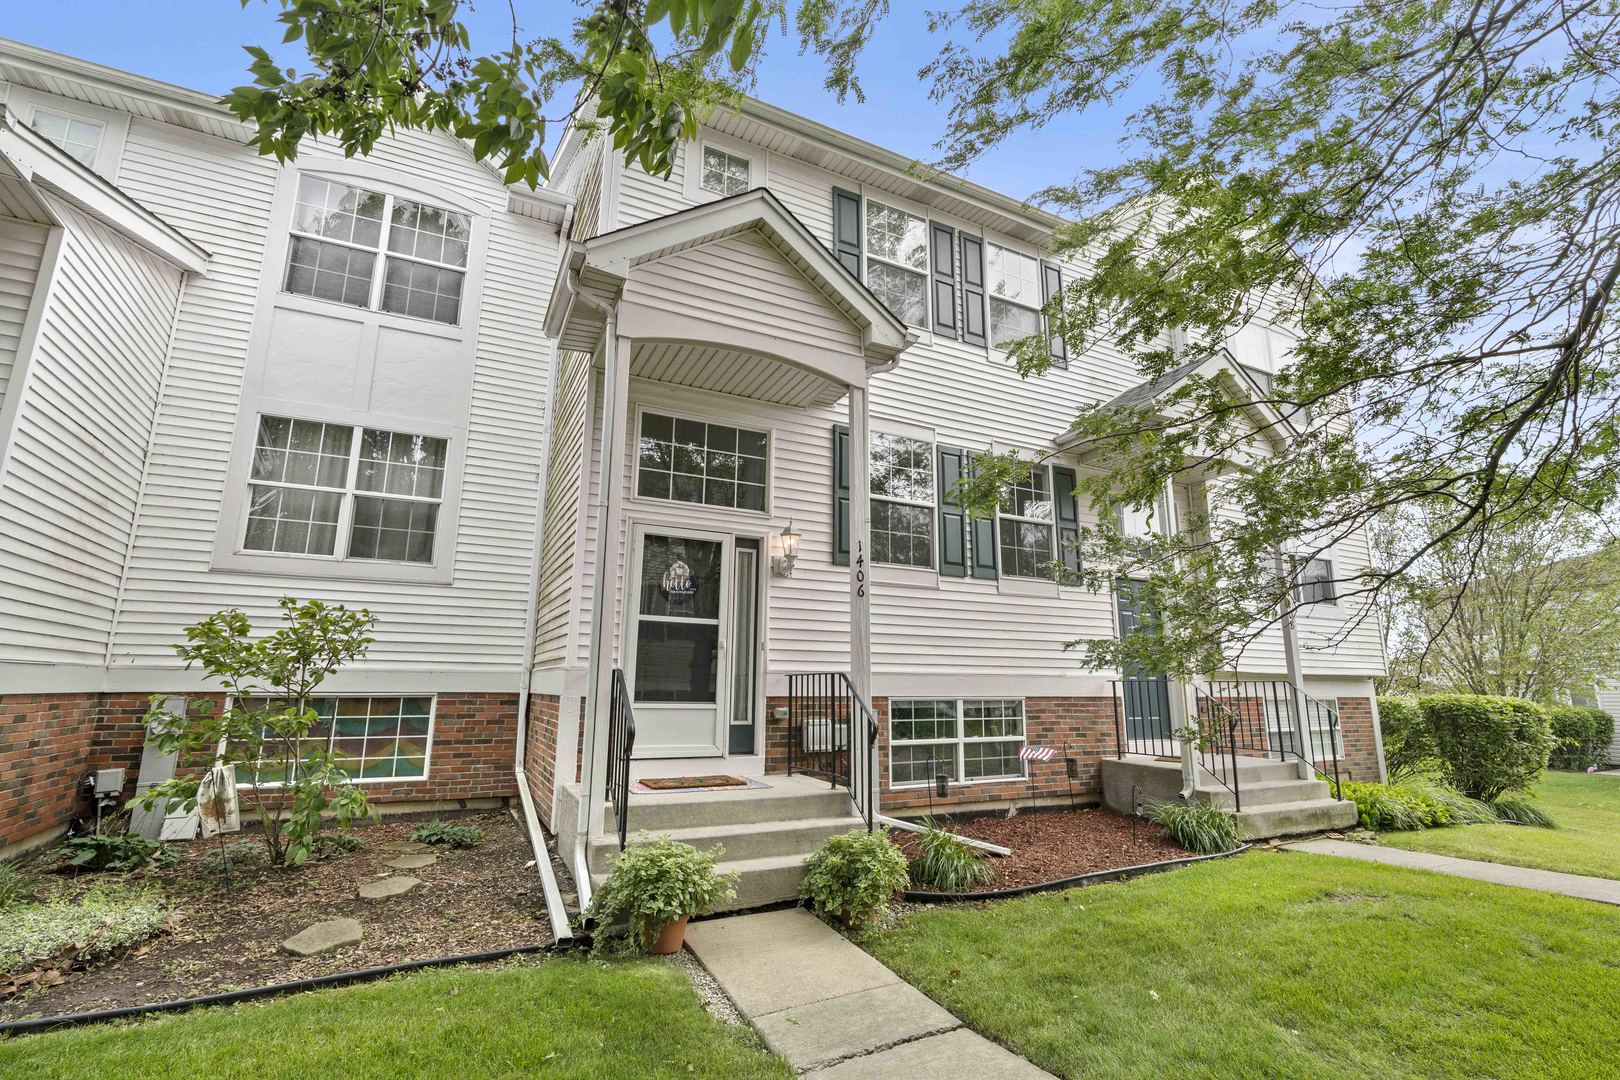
1036, 753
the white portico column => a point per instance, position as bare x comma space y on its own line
860, 578
1296, 674
609, 517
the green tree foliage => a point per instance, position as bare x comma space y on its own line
1583, 734
1421, 194
1488, 746
262, 730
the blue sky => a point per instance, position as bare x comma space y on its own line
197, 43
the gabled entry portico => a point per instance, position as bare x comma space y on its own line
737, 300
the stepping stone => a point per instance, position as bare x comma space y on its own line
323, 937
412, 862
405, 847
389, 887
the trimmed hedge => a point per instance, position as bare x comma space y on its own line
1408, 742
1583, 733
1488, 745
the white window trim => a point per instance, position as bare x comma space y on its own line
932, 505
1050, 523
926, 273
1333, 583
427, 761
348, 493
635, 497
114, 125
692, 178
959, 743
100, 126
990, 295
380, 254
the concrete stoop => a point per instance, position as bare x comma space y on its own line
765, 833
1276, 801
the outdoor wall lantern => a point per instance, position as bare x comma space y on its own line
788, 541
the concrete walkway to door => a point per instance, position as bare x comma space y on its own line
834, 1012
1603, 890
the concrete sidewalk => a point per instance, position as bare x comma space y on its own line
1603, 890
832, 1010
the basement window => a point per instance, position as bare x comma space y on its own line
969, 740
371, 738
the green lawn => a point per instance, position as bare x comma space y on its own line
1587, 841
1280, 965
561, 1018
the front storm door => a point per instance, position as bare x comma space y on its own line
678, 665
1146, 695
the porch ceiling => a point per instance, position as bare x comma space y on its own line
729, 371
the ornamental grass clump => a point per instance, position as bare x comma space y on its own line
657, 881
1520, 810
945, 863
1198, 827
854, 876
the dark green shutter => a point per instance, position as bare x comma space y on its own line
847, 230
841, 494
983, 534
943, 245
1052, 285
1064, 482
972, 278
952, 518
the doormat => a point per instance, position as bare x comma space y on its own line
666, 784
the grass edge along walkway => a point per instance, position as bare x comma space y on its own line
1586, 807
1279, 965
562, 1017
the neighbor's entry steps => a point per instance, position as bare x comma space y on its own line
1276, 801
766, 833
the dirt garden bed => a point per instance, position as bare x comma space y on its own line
224, 929
1051, 845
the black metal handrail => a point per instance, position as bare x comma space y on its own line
1217, 748
621, 741
828, 721
1268, 711
1145, 705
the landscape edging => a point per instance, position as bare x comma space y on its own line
1094, 878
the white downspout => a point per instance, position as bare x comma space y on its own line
556, 910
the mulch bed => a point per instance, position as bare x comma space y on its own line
225, 930
1050, 845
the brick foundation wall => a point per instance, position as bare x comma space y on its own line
1360, 760
1082, 728
540, 753
45, 751
50, 742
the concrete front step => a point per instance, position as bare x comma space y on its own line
1294, 818
788, 798
1256, 794
751, 840
769, 880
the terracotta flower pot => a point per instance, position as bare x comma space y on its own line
669, 937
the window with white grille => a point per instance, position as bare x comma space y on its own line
968, 740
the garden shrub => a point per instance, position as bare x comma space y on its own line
1408, 742
657, 880
1396, 807
1199, 827
443, 832
98, 851
1520, 810
852, 877
100, 924
1582, 733
1488, 745
945, 863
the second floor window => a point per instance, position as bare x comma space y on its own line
897, 261
339, 232
80, 138
1026, 527
1015, 295
1316, 583
343, 492
697, 462
902, 500
724, 174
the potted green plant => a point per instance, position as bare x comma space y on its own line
851, 877
655, 886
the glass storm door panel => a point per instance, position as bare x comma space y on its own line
678, 669
1147, 696
745, 648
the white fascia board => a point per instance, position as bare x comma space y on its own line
39, 162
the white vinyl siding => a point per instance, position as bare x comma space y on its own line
22, 249
83, 424
564, 507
